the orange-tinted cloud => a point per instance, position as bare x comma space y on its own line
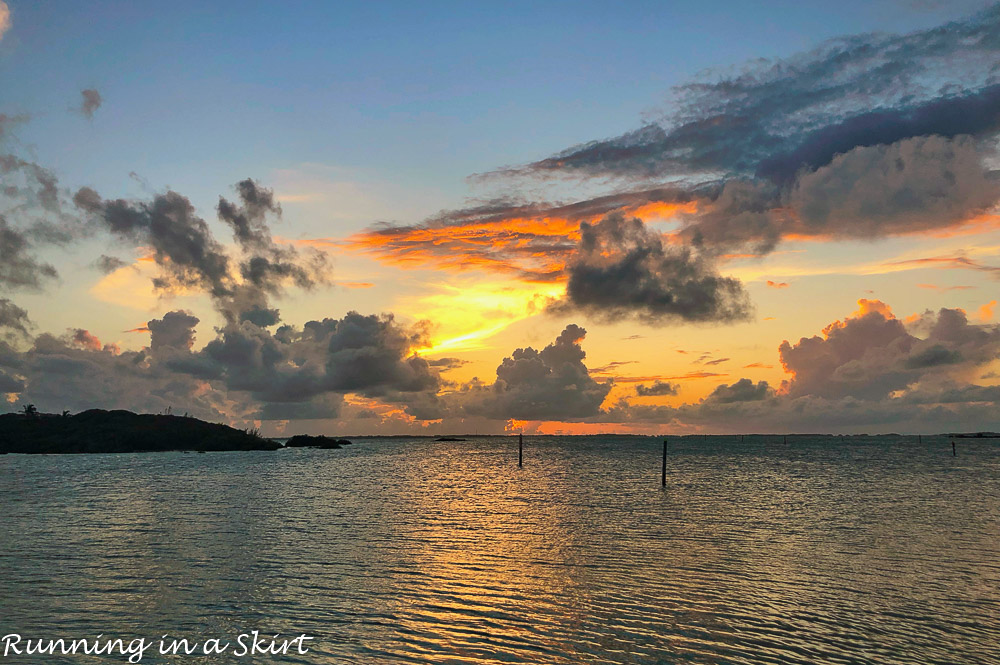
777, 285
4, 18
531, 242
663, 377
935, 287
978, 224
380, 411
986, 311
865, 306
533, 249
943, 262
610, 367
85, 340
140, 329
758, 366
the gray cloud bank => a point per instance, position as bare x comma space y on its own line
867, 371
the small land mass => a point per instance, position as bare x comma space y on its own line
307, 441
100, 431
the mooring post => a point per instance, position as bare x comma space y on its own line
520, 450
953, 449
784, 440
663, 471
920, 438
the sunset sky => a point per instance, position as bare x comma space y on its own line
360, 218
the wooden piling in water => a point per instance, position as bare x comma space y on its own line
520, 450
663, 471
953, 453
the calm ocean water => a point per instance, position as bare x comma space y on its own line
824, 550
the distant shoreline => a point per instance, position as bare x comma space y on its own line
100, 431
119, 431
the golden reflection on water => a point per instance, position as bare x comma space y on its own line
822, 551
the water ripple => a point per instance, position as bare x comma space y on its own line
394, 551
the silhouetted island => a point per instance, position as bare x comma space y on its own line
100, 431
449, 438
306, 441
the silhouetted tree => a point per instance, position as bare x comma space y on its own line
30, 411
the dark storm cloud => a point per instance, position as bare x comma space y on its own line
108, 264
916, 184
265, 266
370, 354
933, 356
174, 330
18, 268
182, 244
249, 220
656, 388
321, 407
32, 217
85, 339
9, 384
189, 256
870, 355
743, 390
444, 364
90, 102
39, 186
774, 117
973, 114
261, 316
13, 320
622, 269
366, 355
245, 373
551, 384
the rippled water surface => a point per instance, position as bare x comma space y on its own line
413, 551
